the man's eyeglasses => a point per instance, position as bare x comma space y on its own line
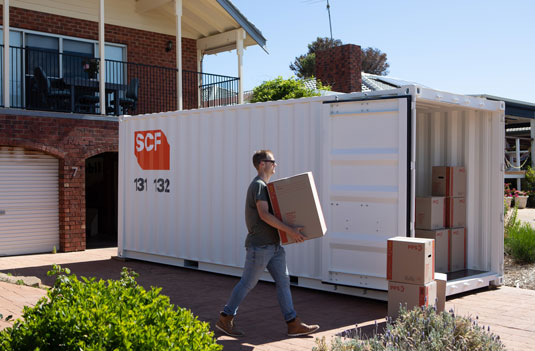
272, 161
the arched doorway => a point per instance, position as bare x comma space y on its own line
101, 176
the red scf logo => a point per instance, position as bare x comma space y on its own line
152, 150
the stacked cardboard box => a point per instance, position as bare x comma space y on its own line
441, 280
410, 273
449, 202
430, 223
450, 182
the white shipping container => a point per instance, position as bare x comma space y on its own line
371, 155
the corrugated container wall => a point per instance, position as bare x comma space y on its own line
202, 217
370, 154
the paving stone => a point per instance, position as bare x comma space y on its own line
510, 312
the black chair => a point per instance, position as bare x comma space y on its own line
129, 102
87, 102
46, 95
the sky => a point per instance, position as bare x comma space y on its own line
458, 46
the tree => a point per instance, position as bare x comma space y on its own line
304, 66
284, 89
374, 62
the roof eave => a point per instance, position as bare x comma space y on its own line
244, 23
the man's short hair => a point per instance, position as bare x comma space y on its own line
259, 156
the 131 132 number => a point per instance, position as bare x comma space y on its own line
161, 185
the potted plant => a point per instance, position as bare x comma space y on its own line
91, 67
507, 194
521, 198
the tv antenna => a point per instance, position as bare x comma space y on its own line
330, 25
328, 11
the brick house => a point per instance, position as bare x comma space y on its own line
59, 120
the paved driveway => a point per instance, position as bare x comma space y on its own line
510, 312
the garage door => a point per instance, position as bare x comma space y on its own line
29, 197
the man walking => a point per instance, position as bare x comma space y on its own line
264, 251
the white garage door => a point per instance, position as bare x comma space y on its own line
29, 197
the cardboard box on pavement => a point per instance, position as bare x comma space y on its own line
430, 212
441, 246
295, 202
448, 181
410, 260
441, 280
410, 296
455, 212
457, 244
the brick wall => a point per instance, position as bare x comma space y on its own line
340, 67
72, 141
142, 47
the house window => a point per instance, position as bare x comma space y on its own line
74, 53
42, 51
58, 56
16, 65
115, 70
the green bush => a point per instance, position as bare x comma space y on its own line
528, 184
423, 329
284, 89
520, 243
511, 221
105, 315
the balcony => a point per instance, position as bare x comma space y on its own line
51, 81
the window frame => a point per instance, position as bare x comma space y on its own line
60, 38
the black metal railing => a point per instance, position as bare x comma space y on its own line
49, 80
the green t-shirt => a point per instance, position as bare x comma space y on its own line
260, 233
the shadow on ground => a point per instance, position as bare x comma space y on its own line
205, 294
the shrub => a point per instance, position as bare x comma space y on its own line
284, 89
511, 221
105, 315
520, 243
423, 329
528, 183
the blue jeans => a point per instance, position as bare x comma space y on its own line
259, 258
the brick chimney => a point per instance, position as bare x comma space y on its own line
340, 67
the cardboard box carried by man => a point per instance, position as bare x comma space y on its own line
295, 201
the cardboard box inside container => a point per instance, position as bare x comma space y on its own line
410, 260
448, 181
457, 249
441, 279
430, 212
455, 212
410, 295
295, 201
441, 246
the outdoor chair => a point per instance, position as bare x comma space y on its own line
46, 95
129, 102
87, 102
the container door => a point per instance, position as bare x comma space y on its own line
366, 187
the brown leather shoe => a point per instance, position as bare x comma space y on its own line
226, 325
298, 328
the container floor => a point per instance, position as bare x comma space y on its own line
465, 273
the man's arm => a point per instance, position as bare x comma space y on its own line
263, 211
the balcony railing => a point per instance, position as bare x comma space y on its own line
48, 80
